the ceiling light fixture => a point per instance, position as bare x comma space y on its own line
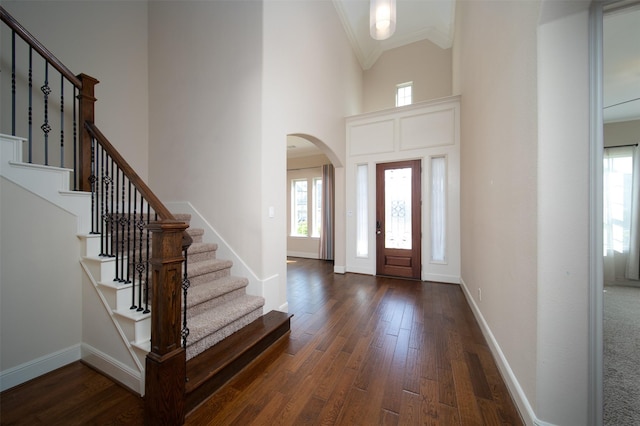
382, 19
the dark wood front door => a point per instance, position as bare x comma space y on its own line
398, 225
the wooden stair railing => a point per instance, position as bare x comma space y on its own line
165, 363
165, 369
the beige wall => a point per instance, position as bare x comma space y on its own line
307, 56
424, 63
498, 174
525, 196
40, 283
205, 114
220, 113
622, 133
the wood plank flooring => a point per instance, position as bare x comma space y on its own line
362, 350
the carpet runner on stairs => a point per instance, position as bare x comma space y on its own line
217, 302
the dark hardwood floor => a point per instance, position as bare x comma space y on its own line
363, 350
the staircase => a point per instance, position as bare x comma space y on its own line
129, 332
217, 303
227, 328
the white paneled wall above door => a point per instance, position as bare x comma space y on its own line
429, 132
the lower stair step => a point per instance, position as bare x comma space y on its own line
211, 369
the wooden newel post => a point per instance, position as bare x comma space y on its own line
166, 363
86, 113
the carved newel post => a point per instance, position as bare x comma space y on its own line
166, 363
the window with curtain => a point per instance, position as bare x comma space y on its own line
621, 213
306, 207
617, 174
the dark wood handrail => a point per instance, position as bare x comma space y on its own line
147, 194
34, 43
136, 180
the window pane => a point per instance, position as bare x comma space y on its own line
438, 209
299, 223
362, 222
317, 207
397, 190
403, 94
618, 170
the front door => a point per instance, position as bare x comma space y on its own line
398, 225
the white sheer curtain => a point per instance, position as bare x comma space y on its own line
633, 261
620, 213
326, 233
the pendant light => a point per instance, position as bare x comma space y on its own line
382, 19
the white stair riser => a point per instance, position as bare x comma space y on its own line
103, 269
90, 245
137, 330
119, 297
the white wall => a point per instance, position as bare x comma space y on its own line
106, 40
229, 81
204, 103
622, 133
311, 81
424, 63
563, 383
497, 81
525, 196
40, 286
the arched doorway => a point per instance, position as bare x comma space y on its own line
310, 198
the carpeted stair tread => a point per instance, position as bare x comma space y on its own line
183, 217
202, 293
201, 247
208, 266
211, 321
195, 234
198, 252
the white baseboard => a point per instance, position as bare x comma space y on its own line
113, 368
284, 307
439, 278
339, 269
39, 366
516, 391
303, 254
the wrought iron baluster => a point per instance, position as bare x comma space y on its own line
75, 139
30, 110
132, 252
128, 280
115, 235
123, 219
102, 185
13, 83
140, 266
94, 188
146, 280
107, 215
61, 120
46, 128
185, 287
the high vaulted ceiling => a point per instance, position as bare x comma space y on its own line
434, 20
415, 20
